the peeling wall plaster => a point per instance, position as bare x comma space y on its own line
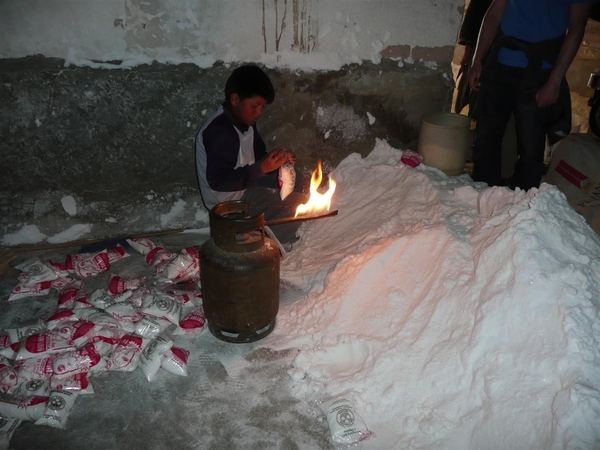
310, 34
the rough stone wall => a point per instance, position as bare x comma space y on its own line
121, 142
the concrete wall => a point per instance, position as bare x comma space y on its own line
107, 111
309, 34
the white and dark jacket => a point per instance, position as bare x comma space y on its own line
227, 158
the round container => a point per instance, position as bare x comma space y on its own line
444, 139
239, 268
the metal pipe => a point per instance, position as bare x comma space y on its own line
301, 218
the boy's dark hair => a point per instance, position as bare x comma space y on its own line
248, 81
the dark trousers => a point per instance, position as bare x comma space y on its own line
502, 96
264, 197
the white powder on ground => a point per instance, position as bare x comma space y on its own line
201, 214
27, 234
176, 210
463, 318
71, 234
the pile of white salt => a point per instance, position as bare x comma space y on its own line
461, 316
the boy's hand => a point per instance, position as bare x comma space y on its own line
273, 161
291, 157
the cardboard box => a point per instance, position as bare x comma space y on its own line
575, 171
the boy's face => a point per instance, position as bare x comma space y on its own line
249, 110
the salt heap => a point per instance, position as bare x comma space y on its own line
462, 316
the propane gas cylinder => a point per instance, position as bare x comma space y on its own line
239, 268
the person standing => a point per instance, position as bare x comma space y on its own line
467, 37
524, 50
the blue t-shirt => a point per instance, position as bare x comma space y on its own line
533, 21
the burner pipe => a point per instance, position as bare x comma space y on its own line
301, 218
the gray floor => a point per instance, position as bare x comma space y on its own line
235, 397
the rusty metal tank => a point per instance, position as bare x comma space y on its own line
239, 268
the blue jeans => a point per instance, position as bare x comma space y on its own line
500, 96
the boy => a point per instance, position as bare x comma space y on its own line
232, 160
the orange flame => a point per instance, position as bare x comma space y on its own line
317, 202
